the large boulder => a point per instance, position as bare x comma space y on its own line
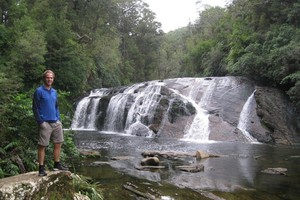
56, 185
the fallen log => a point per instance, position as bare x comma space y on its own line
191, 168
141, 194
147, 167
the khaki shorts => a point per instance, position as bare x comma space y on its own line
50, 131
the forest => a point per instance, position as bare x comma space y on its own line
108, 43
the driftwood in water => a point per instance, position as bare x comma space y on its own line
148, 167
191, 168
139, 193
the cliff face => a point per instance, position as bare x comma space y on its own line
277, 116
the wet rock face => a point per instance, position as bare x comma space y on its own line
216, 108
278, 116
179, 108
139, 129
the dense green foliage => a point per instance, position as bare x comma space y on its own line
88, 44
107, 43
253, 38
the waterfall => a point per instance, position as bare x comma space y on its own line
85, 114
137, 103
199, 128
116, 112
194, 109
79, 116
144, 106
246, 116
90, 121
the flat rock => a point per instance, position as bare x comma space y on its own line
278, 170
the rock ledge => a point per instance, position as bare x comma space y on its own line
56, 185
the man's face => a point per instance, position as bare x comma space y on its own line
49, 79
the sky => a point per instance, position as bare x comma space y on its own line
175, 14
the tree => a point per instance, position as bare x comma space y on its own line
28, 53
139, 40
209, 52
94, 23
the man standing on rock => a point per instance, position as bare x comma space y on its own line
46, 113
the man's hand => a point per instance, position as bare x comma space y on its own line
43, 125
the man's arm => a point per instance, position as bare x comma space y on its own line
35, 108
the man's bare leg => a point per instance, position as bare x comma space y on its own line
41, 154
41, 160
56, 152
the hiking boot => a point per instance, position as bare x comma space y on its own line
42, 171
58, 167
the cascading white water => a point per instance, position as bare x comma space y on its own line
115, 113
85, 114
94, 103
199, 129
116, 108
246, 116
145, 104
193, 109
79, 115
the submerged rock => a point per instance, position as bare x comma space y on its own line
89, 153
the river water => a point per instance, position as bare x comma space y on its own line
235, 174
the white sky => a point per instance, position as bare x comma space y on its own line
175, 14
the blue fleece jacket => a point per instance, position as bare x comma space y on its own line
45, 105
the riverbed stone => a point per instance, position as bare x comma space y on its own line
150, 161
201, 154
278, 170
89, 153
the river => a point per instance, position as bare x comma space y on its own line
235, 174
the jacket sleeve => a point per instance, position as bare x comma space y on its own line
35, 107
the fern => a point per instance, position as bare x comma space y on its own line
2, 175
82, 185
12, 145
2, 151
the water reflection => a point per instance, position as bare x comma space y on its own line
238, 167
